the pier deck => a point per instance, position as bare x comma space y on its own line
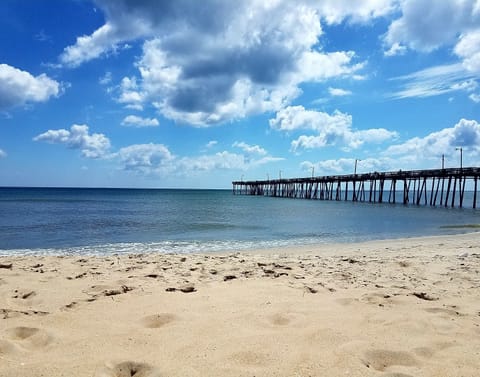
434, 187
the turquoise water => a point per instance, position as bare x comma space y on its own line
54, 220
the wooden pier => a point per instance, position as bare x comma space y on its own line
436, 187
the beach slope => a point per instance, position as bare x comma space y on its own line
395, 308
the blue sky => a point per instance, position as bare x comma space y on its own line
183, 93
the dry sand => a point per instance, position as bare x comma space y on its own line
394, 308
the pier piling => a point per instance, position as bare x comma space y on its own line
420, 187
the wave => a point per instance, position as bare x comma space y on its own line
165, 247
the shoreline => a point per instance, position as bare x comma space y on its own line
149, 247
392, 308
349, 246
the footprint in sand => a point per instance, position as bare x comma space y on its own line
71, 306
24, 297
249, 358
380, 299
425, 352
444, 311
380, 360
96, 291
127, 369
158, 320
23, 294
11, 313
7, 348
428, 352
280, 319
30, 338
346, 301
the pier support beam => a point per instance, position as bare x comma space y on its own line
427, 185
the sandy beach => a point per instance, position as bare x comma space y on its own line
395, 308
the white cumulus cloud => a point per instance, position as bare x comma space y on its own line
146, 158
130, 94
334, 129
465, 134
297, 118
250, 149
106, 79
157, 160
210, 62
78, 137
3, 153
136, 121
395, 49
211, 143
335, 11
347, 165
105, 39
222, 161
425, 26
475, 97
468, 48
218, 161
338, 92
19, 87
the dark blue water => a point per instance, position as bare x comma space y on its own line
51, 220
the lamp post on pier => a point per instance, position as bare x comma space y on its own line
443, 161
280, 174
355, 171
461, 156
313, 171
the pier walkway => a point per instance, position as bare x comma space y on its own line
435, 187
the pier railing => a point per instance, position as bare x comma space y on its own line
435, 187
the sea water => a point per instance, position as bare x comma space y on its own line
103, 221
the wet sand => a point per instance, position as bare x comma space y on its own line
394, 308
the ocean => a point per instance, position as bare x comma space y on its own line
106, 221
